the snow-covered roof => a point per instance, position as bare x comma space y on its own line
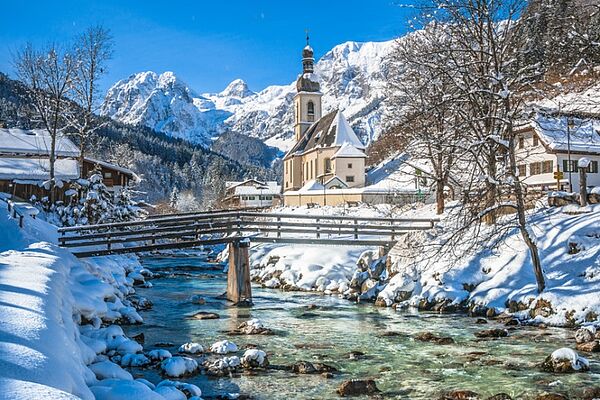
557, 131
257, 190
232, 184
35, 169
115, 167
310, 186
349, 151
397, 173
332, 130
34, 142
334, 181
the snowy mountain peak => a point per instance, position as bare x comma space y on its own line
237, 88
352, 77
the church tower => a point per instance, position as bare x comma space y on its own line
307, 101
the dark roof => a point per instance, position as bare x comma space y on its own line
319, 134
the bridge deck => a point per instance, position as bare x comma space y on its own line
204, 229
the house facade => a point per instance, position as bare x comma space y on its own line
327, 151
252, 193
555, 143
25, 165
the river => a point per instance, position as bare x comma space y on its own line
402, 367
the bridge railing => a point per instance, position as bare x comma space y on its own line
191, 230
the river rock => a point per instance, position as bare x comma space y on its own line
254, 358
140, 338
197, 299
591, 393
500, 396
306, 367
252, 327
430, 337
589, 347
460, 395
205, 315
358, 387
551, 396
585, 335
565, 361
481, 321
356, 355
492, 333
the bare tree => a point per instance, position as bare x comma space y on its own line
92, 50
48, 75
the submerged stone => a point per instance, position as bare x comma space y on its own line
460, 395
430, 337
492, 333
205, 315
358, 387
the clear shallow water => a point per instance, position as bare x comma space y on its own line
402, 367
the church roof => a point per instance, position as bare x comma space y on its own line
331, 130
348, 150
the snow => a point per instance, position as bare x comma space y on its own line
256, 355
115, 389
108, 370
577, 362
178, 366
34, 142
224, 347
344, 134
582, 133
583, 162
160, 354
37, 169
191, 348
348, 150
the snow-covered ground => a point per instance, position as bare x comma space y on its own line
52, 307
415, 275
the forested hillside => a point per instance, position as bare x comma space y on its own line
162, 162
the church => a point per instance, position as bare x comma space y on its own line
327, 154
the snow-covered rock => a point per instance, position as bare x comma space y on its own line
254, 358
116, 389
159, 354
565, 360
191, 348
224, 347
108, 370
179, 366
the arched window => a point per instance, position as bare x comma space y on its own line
310, 107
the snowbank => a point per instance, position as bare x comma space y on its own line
502, 278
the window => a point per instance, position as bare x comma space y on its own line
536, 141
327, 165
547, 167
350, 178
571, 168
522, 170
251, 198
535, 168
349, 165
312, 175
521, 142
108, 175
310, 106
593, 168
244, 197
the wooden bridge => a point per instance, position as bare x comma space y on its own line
237, 229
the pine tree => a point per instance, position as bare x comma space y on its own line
174, 198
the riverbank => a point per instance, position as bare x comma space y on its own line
482, 281
59, 336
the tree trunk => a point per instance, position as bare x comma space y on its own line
582, 187
439, 196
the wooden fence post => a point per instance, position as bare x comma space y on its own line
239, 289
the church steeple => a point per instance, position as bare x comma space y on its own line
307, 102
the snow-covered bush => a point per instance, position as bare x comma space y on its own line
92, 203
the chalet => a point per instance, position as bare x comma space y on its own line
251, 193
555, 143
25, 167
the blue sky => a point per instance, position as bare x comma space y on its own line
206, 43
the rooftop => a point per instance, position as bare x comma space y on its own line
34, 142
556, 132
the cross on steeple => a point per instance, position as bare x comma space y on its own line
307, 38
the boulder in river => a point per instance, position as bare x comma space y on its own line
551, 396
252, 327
306, 367
585, 334
358, 387
492, 333
460, 395
591, 393
500, 396
565, 360
254, 358
430, 337
589, 347
205, 315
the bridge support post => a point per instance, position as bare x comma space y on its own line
239, 290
